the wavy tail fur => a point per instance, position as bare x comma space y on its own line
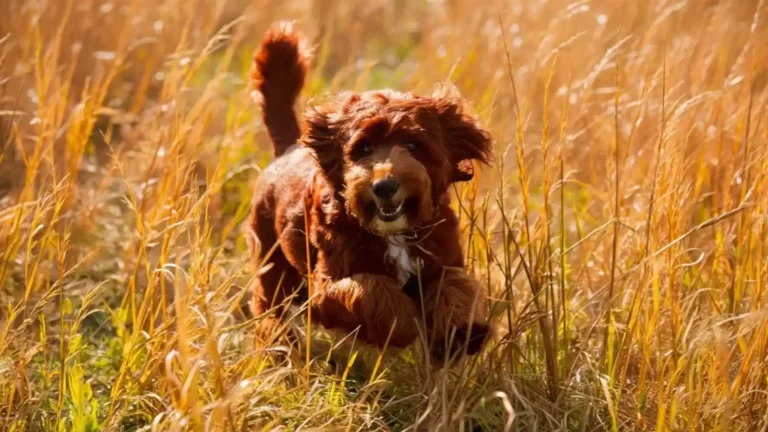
279, 68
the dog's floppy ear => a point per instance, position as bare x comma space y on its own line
322, 137
464, 138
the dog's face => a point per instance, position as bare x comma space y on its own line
388, 174
392, 155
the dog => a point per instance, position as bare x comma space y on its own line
356, 207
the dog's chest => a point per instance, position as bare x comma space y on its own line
399, 254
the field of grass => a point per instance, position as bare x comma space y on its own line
622, 231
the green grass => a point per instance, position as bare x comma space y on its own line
621, 232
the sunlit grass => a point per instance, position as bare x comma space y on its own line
621, 231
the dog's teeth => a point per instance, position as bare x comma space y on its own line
394, 212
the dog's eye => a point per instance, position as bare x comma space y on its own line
412, 146
362, 149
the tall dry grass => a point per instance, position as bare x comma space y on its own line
621, 231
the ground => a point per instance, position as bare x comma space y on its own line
621, 231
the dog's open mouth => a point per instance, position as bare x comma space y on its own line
389, 212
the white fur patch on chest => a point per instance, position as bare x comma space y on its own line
399, 254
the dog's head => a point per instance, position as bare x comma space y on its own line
393, 155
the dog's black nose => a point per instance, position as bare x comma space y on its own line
386, 188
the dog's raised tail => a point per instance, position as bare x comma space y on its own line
279, 68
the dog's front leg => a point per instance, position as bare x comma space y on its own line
372, 303
455, 308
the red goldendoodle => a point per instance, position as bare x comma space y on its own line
368, 181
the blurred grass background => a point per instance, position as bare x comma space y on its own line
621, 231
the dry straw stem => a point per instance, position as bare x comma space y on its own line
621, 232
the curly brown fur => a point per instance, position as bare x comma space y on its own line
371, 175
279, 69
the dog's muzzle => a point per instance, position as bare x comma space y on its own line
388, 207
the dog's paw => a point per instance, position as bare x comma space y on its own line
370, 305
473, 337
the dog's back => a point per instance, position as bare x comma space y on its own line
280, 68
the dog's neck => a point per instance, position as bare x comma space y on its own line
399, 253
400, 248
